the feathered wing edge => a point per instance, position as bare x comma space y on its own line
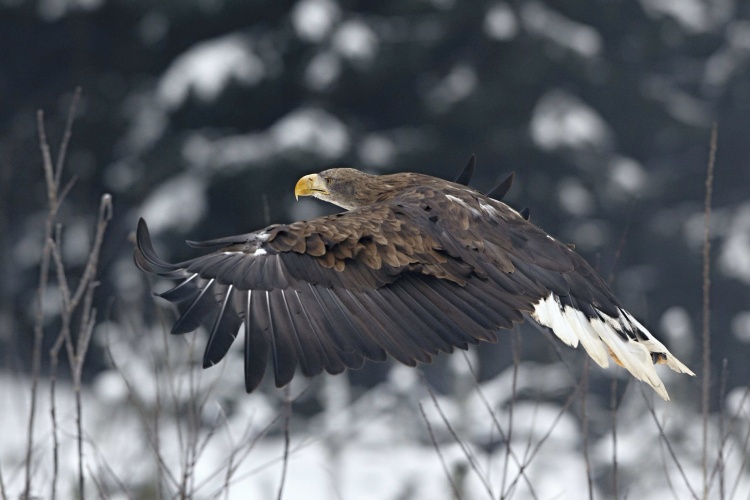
569, 297
321, 328
623, 338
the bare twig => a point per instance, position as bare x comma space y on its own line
613, 403
705, 401
238, 450
191, 434
663, 437
514, 386
36, 355
67, 134
725, 431
52, 176
287, 418
498, 426
585, 425
533, 451
667, 477
464, 448
614, 406
454, 487
745, 443
111, 475
720, 458
3, 493
152, 435
84, 297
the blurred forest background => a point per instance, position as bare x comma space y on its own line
200, 115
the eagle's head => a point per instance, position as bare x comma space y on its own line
345, 187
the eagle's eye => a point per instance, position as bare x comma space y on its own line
328, 179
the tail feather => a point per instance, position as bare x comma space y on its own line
628, 342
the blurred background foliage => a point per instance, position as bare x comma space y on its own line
200, 115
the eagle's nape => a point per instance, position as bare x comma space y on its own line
417, 266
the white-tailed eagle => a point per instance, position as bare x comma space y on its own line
415, 266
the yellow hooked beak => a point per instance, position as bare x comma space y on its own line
310, 185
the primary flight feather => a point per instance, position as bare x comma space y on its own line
415, 266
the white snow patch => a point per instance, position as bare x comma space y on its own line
627, 175
76, 242
110, 388
727, 61
500, 22
546, 23
574, 197
459, 84
356, 41
562, 120
676, 324
207, 68
236, 151
147, 116
681, 105
693, 16
323, 71
313, 19
380, 448
738, 403
307, 130
376, 150
734, 255
178, 203
312, 130
120, 176
741, 326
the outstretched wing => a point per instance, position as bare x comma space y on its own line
428, 271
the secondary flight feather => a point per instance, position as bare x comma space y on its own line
416, 265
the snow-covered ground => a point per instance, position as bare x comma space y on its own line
156, 421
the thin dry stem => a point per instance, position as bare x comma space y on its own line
667, 477
585, 425
745, 443
238, 450
663, 436
456, 492
285, 463
614, 406
36, 355
152, 434
538, 446
514, 386
706, 387
111, 475
3, 493
81, 301
498, 426
67, 134
720, 459
465, 449
52, 177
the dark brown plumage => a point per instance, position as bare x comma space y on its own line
418, 265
